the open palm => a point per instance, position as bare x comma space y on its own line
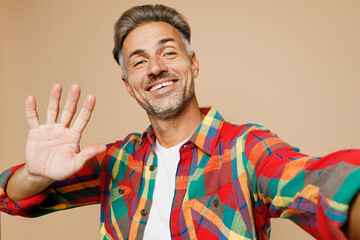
52, 149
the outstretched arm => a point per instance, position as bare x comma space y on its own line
52, 149
315, 193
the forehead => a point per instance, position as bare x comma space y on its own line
147, 35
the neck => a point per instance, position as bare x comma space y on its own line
173, 131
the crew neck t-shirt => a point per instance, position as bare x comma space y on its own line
158, 227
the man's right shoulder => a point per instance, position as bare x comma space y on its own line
131, 144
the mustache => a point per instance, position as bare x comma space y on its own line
156, 78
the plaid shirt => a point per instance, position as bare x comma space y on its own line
230, 181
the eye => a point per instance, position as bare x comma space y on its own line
170, 54
138, 63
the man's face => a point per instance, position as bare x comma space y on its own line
160, 74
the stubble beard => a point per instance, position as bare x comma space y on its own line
169, 104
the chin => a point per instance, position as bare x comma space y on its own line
172, 111
168, 107
166, 114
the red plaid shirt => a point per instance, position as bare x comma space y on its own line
230, 181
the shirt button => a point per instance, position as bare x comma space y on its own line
143, 212
152, 168
121, 190
216, 203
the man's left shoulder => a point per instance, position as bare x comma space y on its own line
234, 131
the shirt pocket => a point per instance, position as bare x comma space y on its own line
121, 192
119, 209
213, 215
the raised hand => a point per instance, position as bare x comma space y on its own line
52, 149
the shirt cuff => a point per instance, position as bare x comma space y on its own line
23, 207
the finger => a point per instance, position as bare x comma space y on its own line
70, 106
53, 107
85, 113
88, 153
31, 114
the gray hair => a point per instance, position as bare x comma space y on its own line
139, 15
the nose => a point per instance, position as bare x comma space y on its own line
156, 66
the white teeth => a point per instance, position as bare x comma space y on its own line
164, 84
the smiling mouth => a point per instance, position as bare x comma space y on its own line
161, 85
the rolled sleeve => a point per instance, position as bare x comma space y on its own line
23, 207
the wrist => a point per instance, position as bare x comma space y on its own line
23, 185
352, 230
32, 179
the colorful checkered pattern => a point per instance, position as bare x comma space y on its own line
230, 181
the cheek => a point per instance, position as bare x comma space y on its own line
182, 68
135, 80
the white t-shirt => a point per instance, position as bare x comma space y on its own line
158, 226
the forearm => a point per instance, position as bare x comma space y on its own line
22, 185
352, 229
326, 184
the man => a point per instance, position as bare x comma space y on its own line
229, 179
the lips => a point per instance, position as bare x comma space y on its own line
161, 85
158, 85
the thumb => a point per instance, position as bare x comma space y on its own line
89, 152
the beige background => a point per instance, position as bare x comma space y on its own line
292, 66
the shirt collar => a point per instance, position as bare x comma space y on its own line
206, 135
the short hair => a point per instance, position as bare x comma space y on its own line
139, 15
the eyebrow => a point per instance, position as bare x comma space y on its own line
159, 43
137, 51
165, 40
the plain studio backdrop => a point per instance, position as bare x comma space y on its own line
293, 66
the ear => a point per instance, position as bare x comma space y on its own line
127, 85
194, 64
